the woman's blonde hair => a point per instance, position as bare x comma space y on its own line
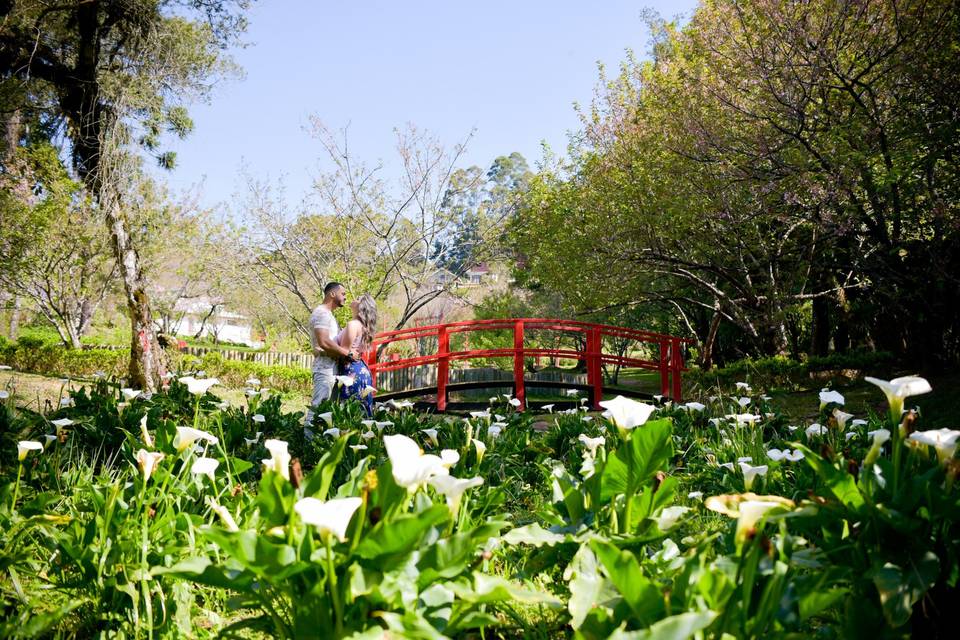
367, 314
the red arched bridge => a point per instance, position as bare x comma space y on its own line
664, 350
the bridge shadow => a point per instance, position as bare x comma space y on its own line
428, 394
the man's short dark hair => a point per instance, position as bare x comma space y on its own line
330, 287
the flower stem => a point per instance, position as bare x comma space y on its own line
16, 487
332, 580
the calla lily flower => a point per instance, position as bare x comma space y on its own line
401, 404
827, 397
499, 418
548, 407
333, 432
358, 447
130, 394
493, 431
744, 419
196, 386
744, 386
592, 444
480, 414
62, 422
841, 417
327, 417
381, 425
750, 473
345, 381
144, 433
367, 391
225, 516
858, 422
432, 435
572, 393
726, 465
4, 394
694, 406
252, 382
816, 430
668, 518
205, 466
744, 459
493, 400
148, 462
251, 392
254, 440
258, 417
695, 495
748, 509
480, 447
368, 435
186, 436
898, 389
449, 457
66, 402
49, 439
943, 440
24, 447
879, 436
411, 467
453, 488
627, 414
515, 403
331, 517
279, 461
368, 423
744, 401
790, 456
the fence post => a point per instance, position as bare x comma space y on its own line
519, 392
594, 370
664, 368
676, 367
443, 367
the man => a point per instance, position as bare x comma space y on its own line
323, 338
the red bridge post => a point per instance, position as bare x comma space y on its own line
443, 367
519, 391
676, 367
664, 368
371, 363
594, 370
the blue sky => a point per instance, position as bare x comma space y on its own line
510, 70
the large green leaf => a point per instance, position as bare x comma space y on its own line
678, 627
901, 588
400, 535
317, 485
533, 534
637, 460
839, 483
637, 590
588, 587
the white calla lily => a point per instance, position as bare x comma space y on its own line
592, 444
549, 408
667, 518
816, 429
205, 466
147, 460
327, 417
480, 447
367, 391
827, 397
694, 406
750, 473
790, 456
382, 425
449, 457
453, 488
515, 403
198, 386
333, 432
943, 440
748, 509
62, 422
331, 517
842, 417
24, 447
627, 414
254, 440
898, 389
879, 437
225, 516
432, 435
345, 381
411, 467
130, 394
186, 436
368, 435
279, 461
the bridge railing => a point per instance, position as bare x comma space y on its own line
669, 349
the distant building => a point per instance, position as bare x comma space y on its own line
480, 274
209, 319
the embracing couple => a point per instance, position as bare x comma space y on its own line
339, 352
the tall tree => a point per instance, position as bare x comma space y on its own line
109, 74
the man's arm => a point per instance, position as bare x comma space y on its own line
327, 346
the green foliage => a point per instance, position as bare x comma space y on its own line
784, 372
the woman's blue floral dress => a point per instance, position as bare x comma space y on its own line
361, 380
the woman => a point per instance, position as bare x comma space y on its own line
357, 336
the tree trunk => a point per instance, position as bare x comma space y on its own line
820, 327
706, 353
15, 316
146, 357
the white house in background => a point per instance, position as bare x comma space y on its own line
480, 274
196, 317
